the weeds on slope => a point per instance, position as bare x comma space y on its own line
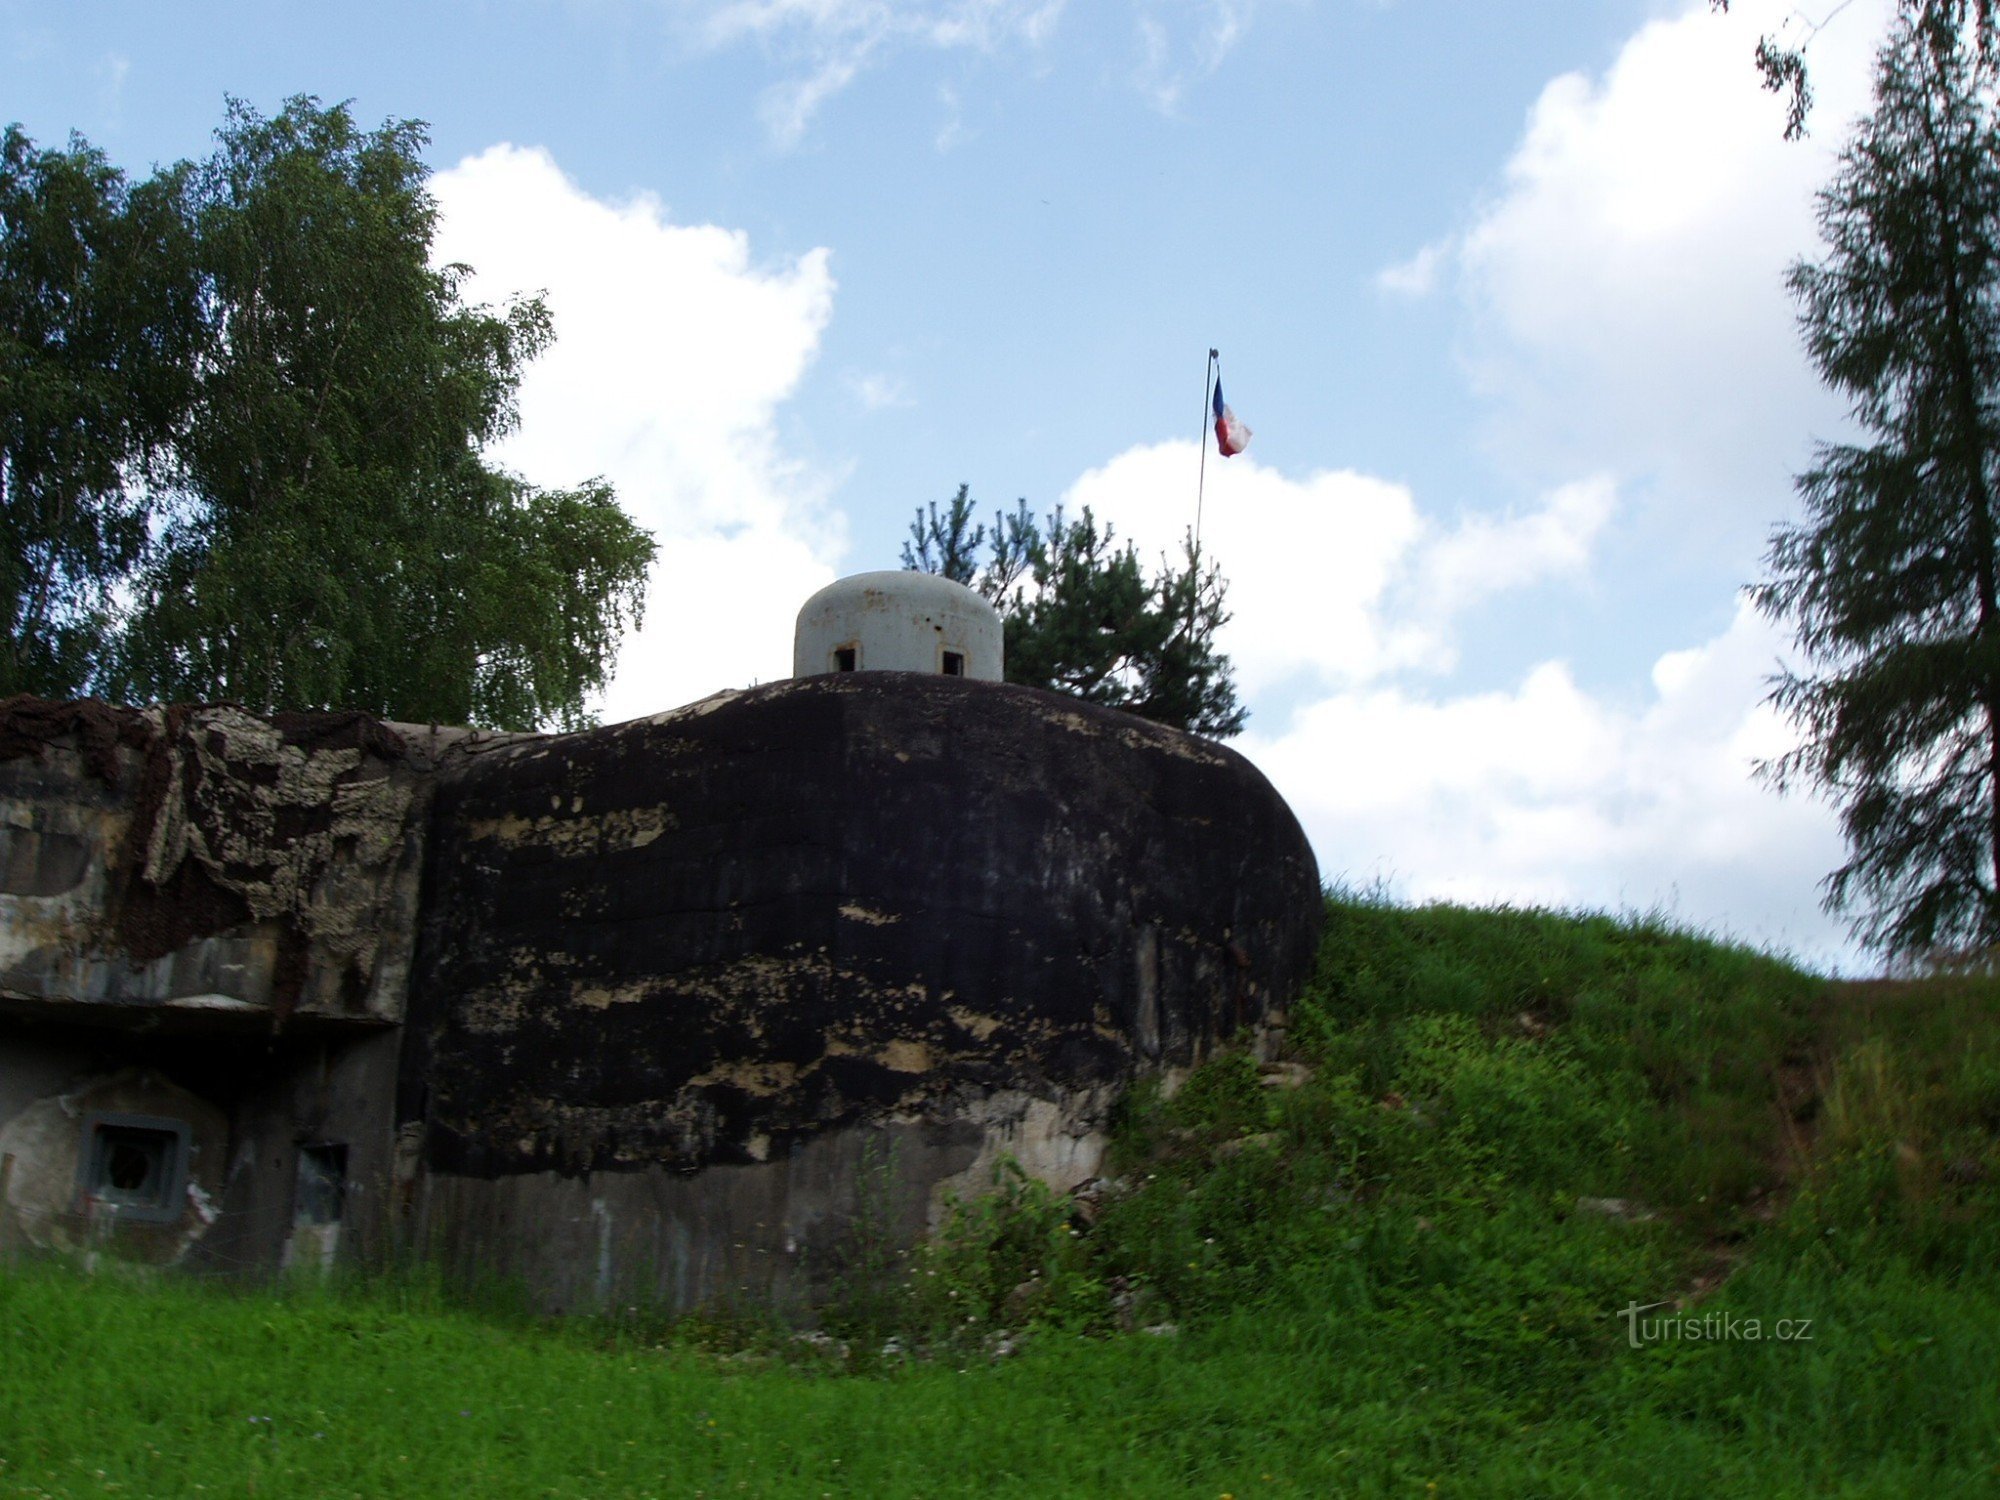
1529, 1204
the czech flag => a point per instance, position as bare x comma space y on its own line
1231, 436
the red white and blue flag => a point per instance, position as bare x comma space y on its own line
1231, 436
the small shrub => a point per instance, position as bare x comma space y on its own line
1008, 1260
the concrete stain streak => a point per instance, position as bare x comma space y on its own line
872, 918
571, 834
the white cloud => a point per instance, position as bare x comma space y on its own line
1627, 280
1485, 555
788, 108
1545, 794
673, 351
1308, 560
824, 46
1228, 20
1628, 319
1154, 76
830, 43
877, 392
1417, 276
1336, 577
936, 23
1536, 792
1167, 66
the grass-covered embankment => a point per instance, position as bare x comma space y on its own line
1382, 1281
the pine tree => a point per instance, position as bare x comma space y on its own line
1081, 615
1781, 58
1890, 580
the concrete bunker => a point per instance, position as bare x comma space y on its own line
629, 1013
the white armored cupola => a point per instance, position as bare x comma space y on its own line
898, 622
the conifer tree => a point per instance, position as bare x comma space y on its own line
1890, 578
1082, 616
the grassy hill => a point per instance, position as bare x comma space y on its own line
1529, 1204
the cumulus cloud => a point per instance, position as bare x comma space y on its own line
1337, 577
1349, 600
673, 351
1627, 279
1308, 560
1542, 793
1538, 791
1484, 554
1625, 317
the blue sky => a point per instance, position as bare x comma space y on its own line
1498, 288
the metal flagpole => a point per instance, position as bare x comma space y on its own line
1208, 374
1201, 481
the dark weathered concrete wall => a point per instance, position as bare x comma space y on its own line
209, 861
42, 1143
686, 999
777, 1235
213, 912
255, 1100
312, 1091
838, 904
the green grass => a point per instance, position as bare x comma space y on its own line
1381, 1282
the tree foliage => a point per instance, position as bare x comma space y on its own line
97, 329
316, 526
1949, 25
1890, 580
1081, 614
